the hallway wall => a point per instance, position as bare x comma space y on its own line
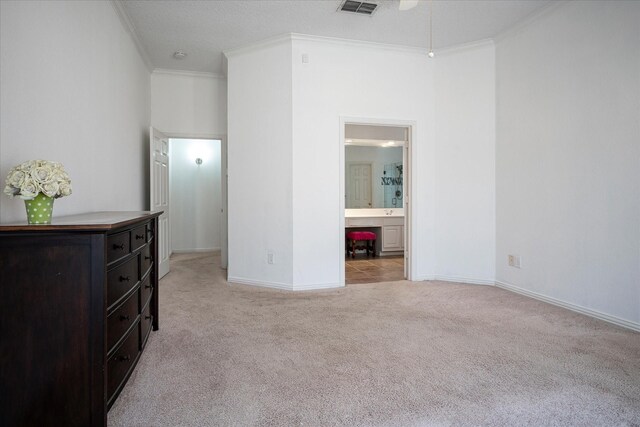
195, 195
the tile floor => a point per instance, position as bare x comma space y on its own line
373, 270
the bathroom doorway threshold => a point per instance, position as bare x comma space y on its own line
363, 269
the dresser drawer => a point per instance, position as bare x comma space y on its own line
145, 291
146, 319
146, 260
118, 246
121, 362
121, 279
138, 237
121, 320
149, 229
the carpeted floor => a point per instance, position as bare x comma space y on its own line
385, 354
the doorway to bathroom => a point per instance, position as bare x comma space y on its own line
375, 216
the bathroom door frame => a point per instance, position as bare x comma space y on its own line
408, 176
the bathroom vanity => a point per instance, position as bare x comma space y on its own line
388, 224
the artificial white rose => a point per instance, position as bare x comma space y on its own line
55, 176
16, 178
11, 191
42, 174
29, 178
29, 189
28, 166
50, 189
65, 189
64, 175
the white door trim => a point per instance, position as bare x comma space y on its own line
224, 238
410, 261
159, 196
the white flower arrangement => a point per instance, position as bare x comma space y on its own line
38, 176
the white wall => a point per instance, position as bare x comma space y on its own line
195, 199
344, 79
451, 100
465, 166
74, 89
188, 104
568, 157
303, 203
260, 166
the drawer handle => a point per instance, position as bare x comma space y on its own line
147, 317
139, 236
124, 358
124, 278
147, 286
147, 257
120, 246
123, 317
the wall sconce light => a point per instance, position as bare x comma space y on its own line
198, 161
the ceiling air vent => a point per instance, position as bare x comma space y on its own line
358, 7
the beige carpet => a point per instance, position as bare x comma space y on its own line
385, 354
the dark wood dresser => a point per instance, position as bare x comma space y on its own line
78, 300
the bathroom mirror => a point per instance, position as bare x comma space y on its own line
373, 174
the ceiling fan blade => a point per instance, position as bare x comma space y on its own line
407, 4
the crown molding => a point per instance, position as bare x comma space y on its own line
463, 47
271, 41
359, 43
128, 26
164, 71
530, 19
283, 38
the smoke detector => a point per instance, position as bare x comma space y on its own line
179, 54
364, 8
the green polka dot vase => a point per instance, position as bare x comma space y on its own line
39, 209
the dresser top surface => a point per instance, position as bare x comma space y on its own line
93, 221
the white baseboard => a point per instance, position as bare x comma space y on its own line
466, 280
317, 286
260, 283
191, 251
573, 307
455, 279
283, 286
423, 278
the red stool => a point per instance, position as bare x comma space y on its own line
361, 240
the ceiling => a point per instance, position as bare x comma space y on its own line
204, 29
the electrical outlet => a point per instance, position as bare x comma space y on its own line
270, 258
514, 260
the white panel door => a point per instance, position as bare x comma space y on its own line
359, 191
159, 195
